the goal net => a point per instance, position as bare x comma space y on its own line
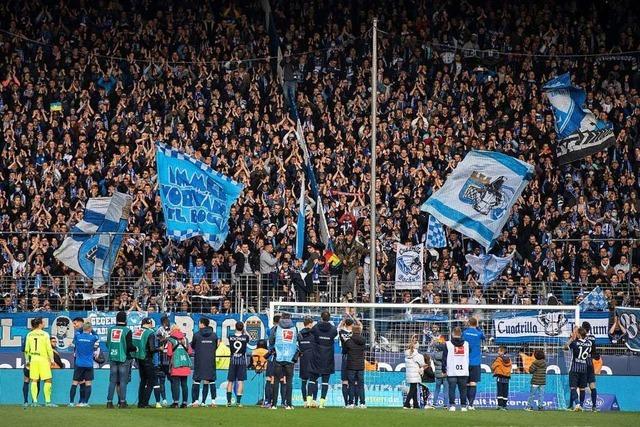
389, 328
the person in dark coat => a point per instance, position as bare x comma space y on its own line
323, 364
204, 345
355, 366
306, 343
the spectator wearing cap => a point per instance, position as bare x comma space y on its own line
145, 341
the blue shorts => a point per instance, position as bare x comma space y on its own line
237, 373
578, 379
475, 373
82, 374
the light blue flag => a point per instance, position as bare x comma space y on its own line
93, 254
301, 223
436, 238
478, 195
488, 267
580, 133
594, 301
196, 200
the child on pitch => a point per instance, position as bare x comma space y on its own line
501, 368
538, 371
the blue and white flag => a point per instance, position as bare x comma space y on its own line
488, 267
594, 301
196, 200
93, 243
580, 133
409, 267
478, 195
301, 223
435, 234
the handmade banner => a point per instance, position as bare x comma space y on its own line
478, 195
488, 267
409, 267
535, 327
580, 132
196, 200
629, 321
93, 254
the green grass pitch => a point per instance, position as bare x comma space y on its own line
16, 416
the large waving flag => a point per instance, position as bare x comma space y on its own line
478, 195
94, 253
488, 267
196, 200
580, 133
301, 223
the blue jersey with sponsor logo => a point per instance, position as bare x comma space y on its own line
85, 346
474, 337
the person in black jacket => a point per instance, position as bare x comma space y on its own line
204, 345
323, 363
306, 343
355, 366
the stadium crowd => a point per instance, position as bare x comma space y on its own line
86, 90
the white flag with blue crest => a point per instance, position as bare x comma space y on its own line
93, 254
477, 197
580, 132
487, 266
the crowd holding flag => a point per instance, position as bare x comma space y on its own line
409, 267
196, 200
580, 132
301, 223
436, 238
478, 196
93, 254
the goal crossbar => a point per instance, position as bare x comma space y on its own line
275, 305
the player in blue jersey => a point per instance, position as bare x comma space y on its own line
591, 373
238, 364
580, 348
85, 344
474, 336
345, 330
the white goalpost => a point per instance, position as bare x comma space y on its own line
521, 330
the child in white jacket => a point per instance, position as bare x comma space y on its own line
414, 365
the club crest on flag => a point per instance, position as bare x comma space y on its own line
488, 196
552, 323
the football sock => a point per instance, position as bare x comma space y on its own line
87, 393
582, 395
594, 397
34, 391
229, 397
205, 392
238, 398
156, 393
47, 392
471, 394
574, 396
313, 389
214, 393
304, 390
324, 390
345, 393
25, 392
82, 393
195, 391
72, 393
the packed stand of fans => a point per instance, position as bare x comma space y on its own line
201, 77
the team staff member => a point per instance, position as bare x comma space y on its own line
455, 365
474, 336
120, 347
323, 364
355, 366
284, 343
85, 344
270, 368
163, 367
306, 344
145, 341
204, 345
39, 359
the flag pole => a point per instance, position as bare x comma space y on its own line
372, 196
